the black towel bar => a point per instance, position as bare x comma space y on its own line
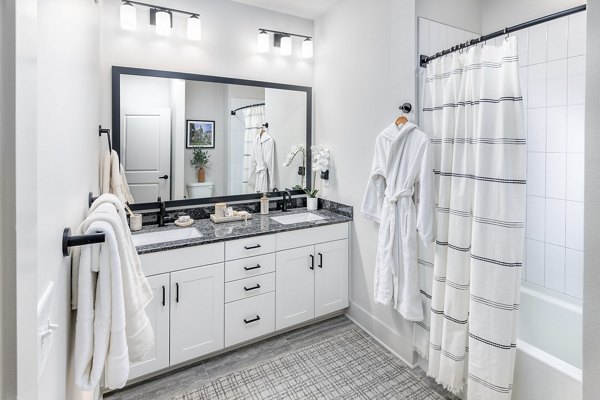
70, 241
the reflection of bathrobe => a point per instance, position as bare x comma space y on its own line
262, 163
403, 156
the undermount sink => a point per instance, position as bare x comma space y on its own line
144, 239
297, 218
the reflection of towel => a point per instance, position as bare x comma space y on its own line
112, 177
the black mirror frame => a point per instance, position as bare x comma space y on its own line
116, 126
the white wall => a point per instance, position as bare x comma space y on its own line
8, 338
66, 147
228, 46
26, 68
591, 290
177, 100
500, 14
463, 14
207, 101
361, 78
285, 111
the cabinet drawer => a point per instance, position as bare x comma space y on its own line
249, 318
187, 257
251, 266
307, 237
253, 246
249, 287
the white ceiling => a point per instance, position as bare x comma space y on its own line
302, 8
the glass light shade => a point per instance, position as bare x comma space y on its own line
194, 28
262, 43
307, 48
163, 23
286, 46
128, 16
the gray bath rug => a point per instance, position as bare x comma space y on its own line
349, 365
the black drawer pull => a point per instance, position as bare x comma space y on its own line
252, 320
247, 289
320, 260
252, 247
177, 292
163, 299
251, 268
312, 262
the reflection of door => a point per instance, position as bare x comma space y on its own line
146, 152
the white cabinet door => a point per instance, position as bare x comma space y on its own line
197, 312
158, 313
331, 277
295, 286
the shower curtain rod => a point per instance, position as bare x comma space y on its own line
425, 59
250, 106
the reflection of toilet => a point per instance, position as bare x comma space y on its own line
197, 190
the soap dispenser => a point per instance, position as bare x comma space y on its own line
264, 204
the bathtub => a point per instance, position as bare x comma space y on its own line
549, 346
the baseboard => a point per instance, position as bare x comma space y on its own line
398, 345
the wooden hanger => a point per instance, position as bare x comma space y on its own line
401, 120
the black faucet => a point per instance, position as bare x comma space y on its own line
161, 212
287, 194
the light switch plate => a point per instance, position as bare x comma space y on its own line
45, 327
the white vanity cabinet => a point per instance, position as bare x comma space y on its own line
312, 274
214, 296
187, 310
158, 313
249, 288
197, 312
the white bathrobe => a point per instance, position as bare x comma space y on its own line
262, 163
403, 157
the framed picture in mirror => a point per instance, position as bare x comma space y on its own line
200, 133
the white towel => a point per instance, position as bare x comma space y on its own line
136, 289
100, 339
112, 177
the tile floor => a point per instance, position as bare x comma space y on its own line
188, 378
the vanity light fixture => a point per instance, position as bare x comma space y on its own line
194, 28
283, 40
161, 18
307, 48
263, 41
285, 46
128, 16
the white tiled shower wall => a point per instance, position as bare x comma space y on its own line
552, 72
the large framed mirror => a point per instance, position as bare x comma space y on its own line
198, 139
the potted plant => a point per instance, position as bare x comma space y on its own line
200, 161
312, 201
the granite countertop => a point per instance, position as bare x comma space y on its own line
256, 226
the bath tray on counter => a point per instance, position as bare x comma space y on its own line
220, 220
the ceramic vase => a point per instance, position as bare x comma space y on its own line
312, 203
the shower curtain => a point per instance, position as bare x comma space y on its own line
473, 109
254, 118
